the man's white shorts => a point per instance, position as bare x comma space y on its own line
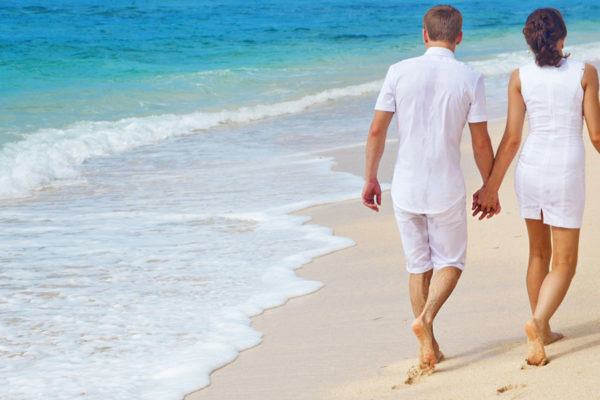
434, 241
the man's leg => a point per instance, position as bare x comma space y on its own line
442, 285
447, 233
415, 242
418, 285
419, 291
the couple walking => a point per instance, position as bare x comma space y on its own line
433, 96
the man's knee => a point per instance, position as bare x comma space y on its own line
453, 269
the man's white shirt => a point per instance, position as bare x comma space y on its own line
433, 96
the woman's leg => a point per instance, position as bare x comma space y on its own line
553, 290
540, 253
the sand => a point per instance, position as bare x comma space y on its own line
352, 338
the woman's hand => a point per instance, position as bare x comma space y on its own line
486, 202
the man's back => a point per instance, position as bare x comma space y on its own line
433, 97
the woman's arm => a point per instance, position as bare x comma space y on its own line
591, 105
511, 141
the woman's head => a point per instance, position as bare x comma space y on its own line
544, 29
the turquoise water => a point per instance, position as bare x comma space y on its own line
150, 153
69, 61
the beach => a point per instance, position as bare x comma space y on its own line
352, 338
170, 171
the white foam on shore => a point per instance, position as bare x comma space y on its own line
145, 274
51, 155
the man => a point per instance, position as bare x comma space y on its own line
433, 96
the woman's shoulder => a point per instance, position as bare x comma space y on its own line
525, 70
589, 68
590, 75
527, 67
573, 63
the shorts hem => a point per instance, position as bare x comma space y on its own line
460, 266
420, 270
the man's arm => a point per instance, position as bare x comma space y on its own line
371, 194
482, 148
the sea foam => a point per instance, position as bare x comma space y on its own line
51, 155
145, 273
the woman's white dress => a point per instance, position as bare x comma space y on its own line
550, 174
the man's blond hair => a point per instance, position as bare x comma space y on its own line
443, 23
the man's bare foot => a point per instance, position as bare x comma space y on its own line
423, 331
536, 354
550, 337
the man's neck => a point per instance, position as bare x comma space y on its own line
439, 43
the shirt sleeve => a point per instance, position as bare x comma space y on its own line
386, 101
477, 110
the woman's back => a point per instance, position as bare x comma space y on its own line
554, 98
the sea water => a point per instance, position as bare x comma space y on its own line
150, 155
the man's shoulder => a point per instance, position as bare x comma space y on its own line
407, 62
415, 62
468, 70
404, 65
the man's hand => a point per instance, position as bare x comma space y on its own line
485, 202
371, 195
476, 199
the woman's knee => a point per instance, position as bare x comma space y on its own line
540, 252
566, 267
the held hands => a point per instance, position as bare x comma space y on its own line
486, 202
371, 195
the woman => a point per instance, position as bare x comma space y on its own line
556, 92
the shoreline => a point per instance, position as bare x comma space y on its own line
352, 339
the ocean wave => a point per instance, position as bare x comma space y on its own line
504, 63
49, 156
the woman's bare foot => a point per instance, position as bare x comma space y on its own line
548, 336
536, 354
424, 333
439, 356
552, 337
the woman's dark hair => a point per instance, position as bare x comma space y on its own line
543, 29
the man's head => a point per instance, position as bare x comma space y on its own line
442, 24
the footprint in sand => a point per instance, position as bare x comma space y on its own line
506, 388
414, 374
